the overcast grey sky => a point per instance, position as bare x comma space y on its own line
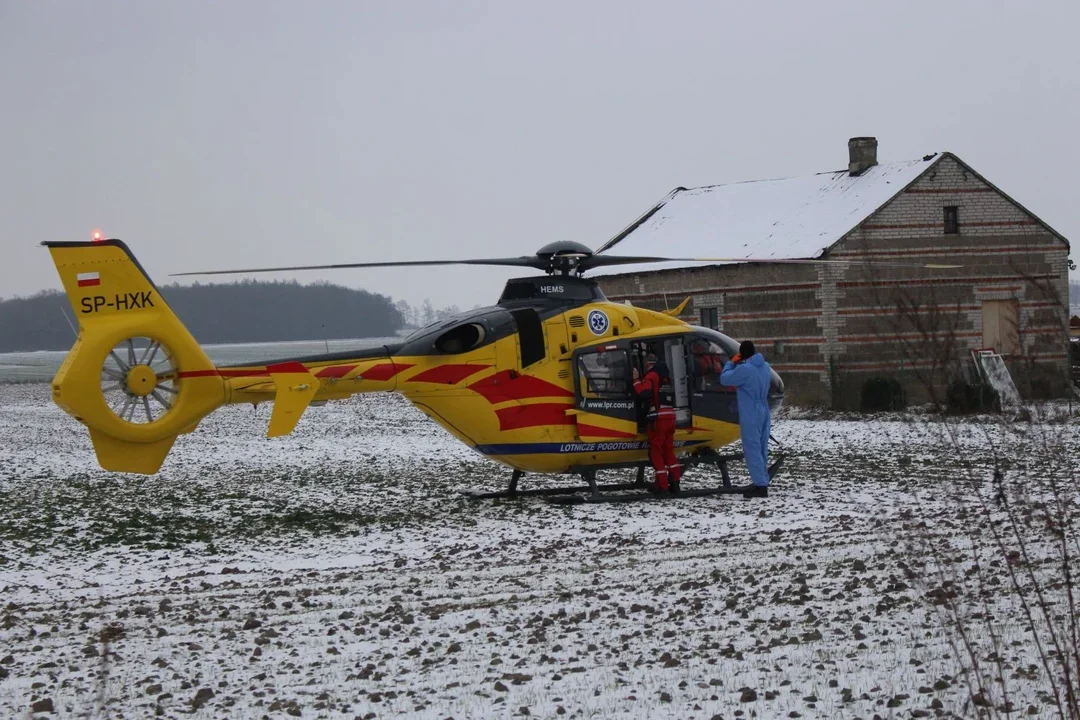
237, 134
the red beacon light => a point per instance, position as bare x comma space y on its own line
96, 236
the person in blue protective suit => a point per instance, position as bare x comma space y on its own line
751, 376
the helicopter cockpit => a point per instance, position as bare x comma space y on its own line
461, 333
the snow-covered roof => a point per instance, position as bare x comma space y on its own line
795, 217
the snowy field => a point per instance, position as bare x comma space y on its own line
337, 573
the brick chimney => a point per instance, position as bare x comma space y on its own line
862, 154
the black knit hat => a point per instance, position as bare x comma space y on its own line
746, 349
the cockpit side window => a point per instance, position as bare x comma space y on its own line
530, 336
427, 330
604, 374
461, 339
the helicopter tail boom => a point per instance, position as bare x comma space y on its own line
135, 376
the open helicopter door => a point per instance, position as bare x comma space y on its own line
712, 401
675, 352
671, 351
604, 393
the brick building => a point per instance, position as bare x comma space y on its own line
831, 328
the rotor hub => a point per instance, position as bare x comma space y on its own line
563, 264
562, 257
141, 380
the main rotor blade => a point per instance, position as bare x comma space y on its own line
524, 261
594, 261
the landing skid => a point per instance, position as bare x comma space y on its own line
637, 491
587, 474
649, 496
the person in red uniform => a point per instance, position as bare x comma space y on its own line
707, 364
661, 426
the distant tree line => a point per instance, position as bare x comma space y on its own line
426, 313
248, 311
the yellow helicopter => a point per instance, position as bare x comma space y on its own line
540, 382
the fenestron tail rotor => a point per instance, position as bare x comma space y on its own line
139, 380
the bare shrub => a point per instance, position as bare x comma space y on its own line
998, 567
994, 552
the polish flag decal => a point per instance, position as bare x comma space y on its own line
87, 279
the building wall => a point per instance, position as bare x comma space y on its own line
919, 325
827, 329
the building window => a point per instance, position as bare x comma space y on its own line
709, 318
952, 220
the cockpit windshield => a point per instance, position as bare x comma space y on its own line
433, 327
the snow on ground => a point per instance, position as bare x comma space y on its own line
337, 572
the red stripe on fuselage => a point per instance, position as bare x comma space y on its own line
221, 373
500, 387
448, 374
378, 372
287, 367
523, 416
334, 371
226, 372
229, 373
383, 372
200, 373
597, 431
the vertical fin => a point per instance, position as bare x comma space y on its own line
116, 302
130, 457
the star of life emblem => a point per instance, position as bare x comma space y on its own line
598, 322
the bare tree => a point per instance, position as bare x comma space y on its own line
995, 549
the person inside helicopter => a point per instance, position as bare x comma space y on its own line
660, 424
708, 363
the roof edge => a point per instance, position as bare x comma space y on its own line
936, 157
1008, 197
640, 221
933, 161
856, 226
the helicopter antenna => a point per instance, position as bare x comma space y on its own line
64, 313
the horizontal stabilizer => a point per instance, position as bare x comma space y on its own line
296, 386
259, 388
